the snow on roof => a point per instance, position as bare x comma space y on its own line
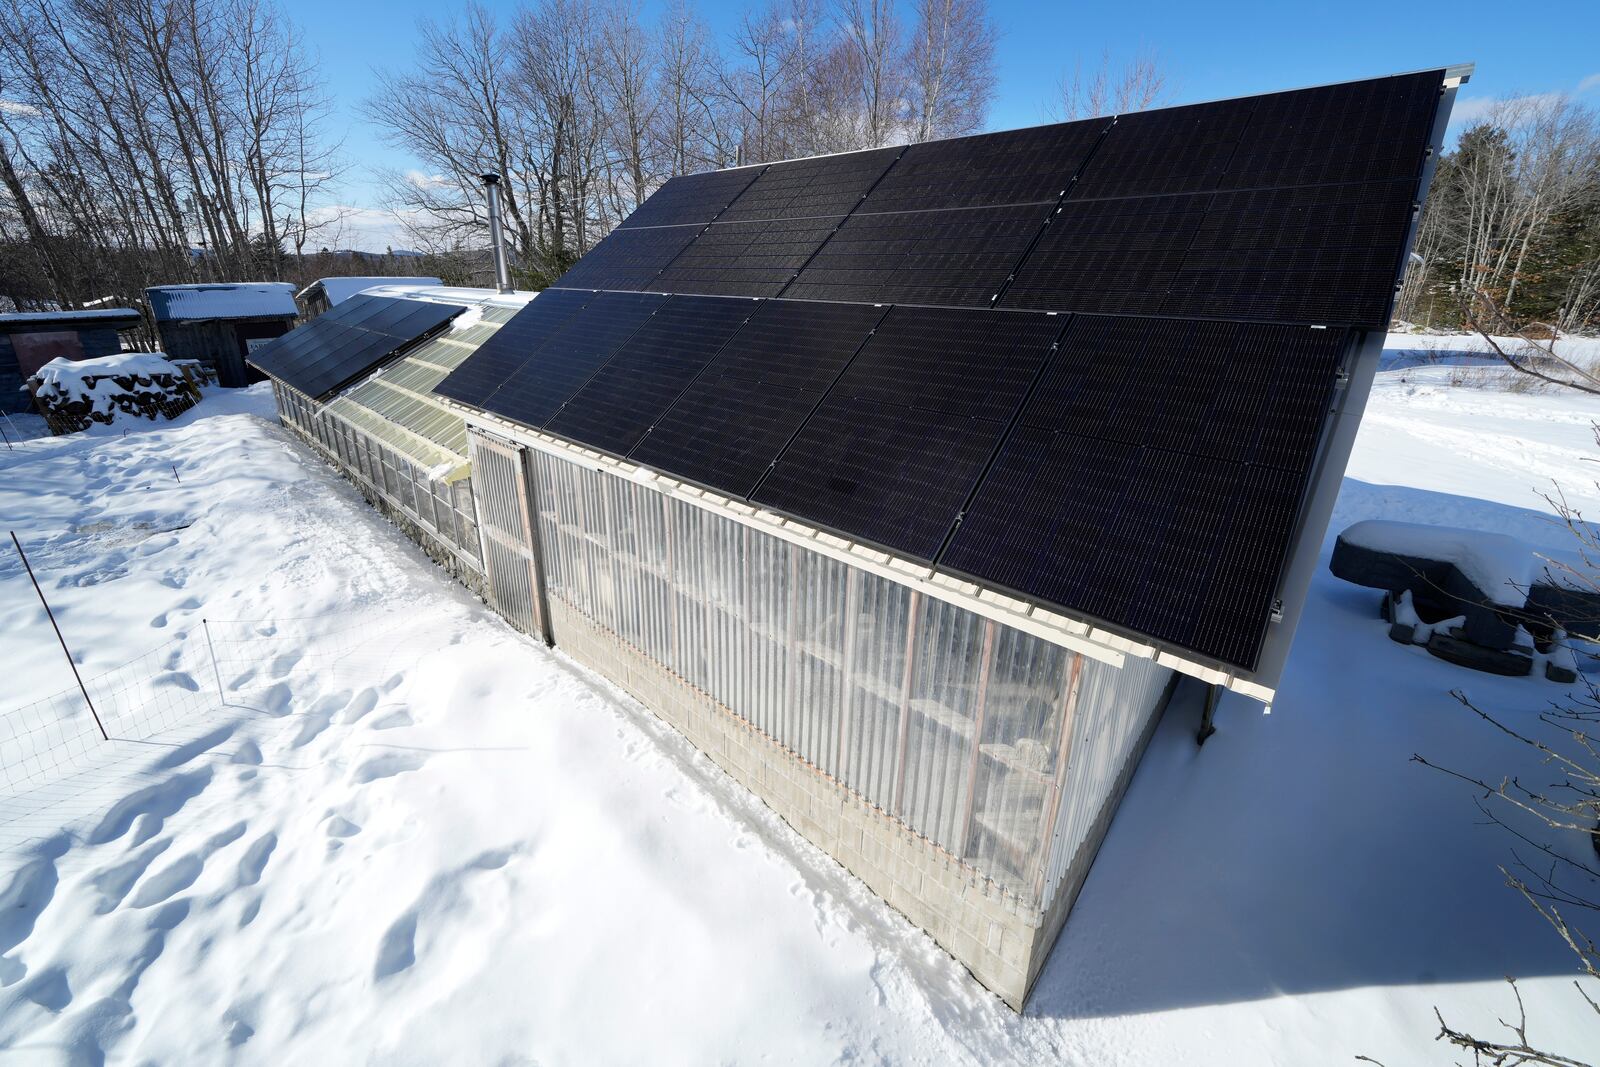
339, 290
13, 320
231, 300
415, 289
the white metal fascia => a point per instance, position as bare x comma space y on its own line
1077, 635
1074, 634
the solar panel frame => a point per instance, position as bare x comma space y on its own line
1100, 508
1034, 165
692, 198
959, 258
509, 347
891, 455
1360, 131
629, 258
1169, 150
753, 258
622, 399
565, 361
728, 427
324, 355
816, 186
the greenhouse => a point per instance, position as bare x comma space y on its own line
909, 484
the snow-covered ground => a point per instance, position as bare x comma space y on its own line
413, 836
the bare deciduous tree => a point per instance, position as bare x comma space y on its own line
135, 132
951, 67
1139, 84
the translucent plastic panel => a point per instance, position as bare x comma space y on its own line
1017, 754
947, 665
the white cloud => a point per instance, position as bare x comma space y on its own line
364, 229
17, 107
1474, 108
423, 180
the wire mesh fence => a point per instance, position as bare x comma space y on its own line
215, 670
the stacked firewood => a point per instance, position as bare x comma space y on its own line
162, 395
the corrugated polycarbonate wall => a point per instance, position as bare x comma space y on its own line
444, 509
947, 721
1113, 707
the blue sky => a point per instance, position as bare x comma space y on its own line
1210, 51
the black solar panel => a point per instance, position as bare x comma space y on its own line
899, 442
564, 362
334, 349
728, 427
953, 258
692, 198
1173, 150
746, 258
644, 376
1115, 256
1316, 253
805, 188
629, 258
959, 361
1147, 475
1363, 131
890, 475
512, 345
1012, 167
1154, 476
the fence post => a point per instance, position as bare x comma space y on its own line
221, 696
52, 616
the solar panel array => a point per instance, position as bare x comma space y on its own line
349, 340
1089, 364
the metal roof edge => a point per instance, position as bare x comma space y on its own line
1074, 634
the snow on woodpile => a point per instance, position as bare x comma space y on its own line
72, 394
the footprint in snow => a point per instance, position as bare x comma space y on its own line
249, 754
30, 891
169, 881
255, 858
184, 753
276, 700
49, 990
182, 872
360, 704
115, 881
393, 720
150, 806
339, 826
316, 720
398, 949
385, 766
284, 664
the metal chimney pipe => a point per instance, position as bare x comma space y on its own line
497, 234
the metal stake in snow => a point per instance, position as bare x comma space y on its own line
52, 616
213, 650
